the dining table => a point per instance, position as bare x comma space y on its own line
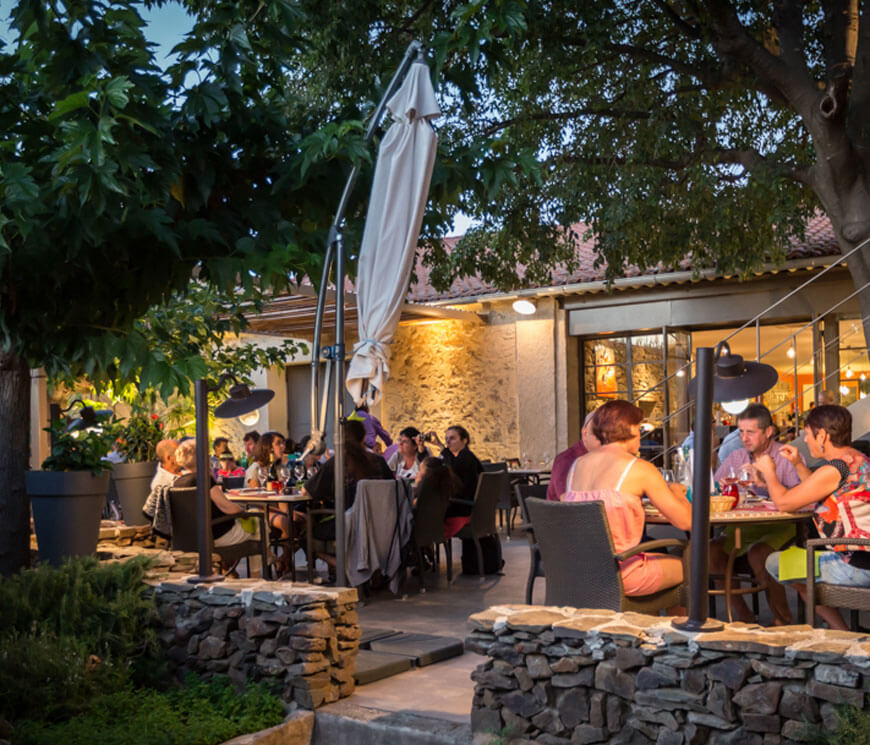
760, 513
270, 500
529, 475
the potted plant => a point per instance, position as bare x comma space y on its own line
137, 441
69, 493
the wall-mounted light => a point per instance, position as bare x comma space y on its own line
524, 307
681, 373
844, 390
790, 353
849, 372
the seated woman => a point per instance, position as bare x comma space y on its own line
838, 489
261, 462
615, 475
359, 464
225, 533
406, 460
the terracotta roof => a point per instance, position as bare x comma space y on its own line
820, 241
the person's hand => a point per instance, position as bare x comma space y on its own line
791, 454
765, 466
418, 441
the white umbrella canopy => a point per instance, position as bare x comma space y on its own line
398, 197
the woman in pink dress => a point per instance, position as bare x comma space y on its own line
616, 476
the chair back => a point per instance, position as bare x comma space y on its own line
523, 492
498, 465
429, 513
577, 553
233, 482
182, 510
490, 486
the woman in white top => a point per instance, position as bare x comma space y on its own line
405, 462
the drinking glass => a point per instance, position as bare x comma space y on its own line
263, 476
667, 475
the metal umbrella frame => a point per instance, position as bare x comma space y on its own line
335, 354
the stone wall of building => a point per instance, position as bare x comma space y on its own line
302, 637
454, 372
562, 675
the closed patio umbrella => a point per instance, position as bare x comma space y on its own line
398, 197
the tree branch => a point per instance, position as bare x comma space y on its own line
556, 116
681, 23
733, 41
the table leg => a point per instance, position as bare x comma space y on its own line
729, 572
292, 543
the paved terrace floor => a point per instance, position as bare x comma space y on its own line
444, 690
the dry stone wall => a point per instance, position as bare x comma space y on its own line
454, 372
301, 637
563, 675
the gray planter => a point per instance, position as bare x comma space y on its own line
67, 507
131, 484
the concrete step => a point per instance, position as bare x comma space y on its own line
344, 723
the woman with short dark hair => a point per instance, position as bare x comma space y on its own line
839, 489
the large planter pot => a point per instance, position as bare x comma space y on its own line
67, 507
131, 483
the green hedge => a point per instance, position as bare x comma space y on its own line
199, 714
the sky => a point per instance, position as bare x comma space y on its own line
167, 26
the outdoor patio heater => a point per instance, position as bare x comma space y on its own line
335, 355
720, 376
242, 400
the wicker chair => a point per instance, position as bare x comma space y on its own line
182, 506
429, 531
580, 565
482, 522
536, 568
836, 596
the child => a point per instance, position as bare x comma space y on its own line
229, 467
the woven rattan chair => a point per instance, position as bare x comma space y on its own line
835, 596
182, 506
482, 522
429, 531
581, 567
536, 568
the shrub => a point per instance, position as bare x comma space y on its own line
199, 714
853, 728
68, 634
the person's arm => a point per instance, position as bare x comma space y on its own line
791, 454
673, 506
818, 485
433, 437
381, 432
222, 503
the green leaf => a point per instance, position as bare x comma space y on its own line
72, 102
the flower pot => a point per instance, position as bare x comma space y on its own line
67, 507
131, 483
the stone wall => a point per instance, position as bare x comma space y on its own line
454, 372
562, 675
301, 637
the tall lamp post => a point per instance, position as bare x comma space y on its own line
720, 376
242, 401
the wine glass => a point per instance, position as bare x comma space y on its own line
283, 473
745, 480
667, 475
263, 476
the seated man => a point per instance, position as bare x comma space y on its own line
167, 467
757, 437
563, 461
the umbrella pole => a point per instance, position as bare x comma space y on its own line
338, 369
335, 251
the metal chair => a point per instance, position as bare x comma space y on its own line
486, 499
536, 568
836, 596
581, 567
183, 515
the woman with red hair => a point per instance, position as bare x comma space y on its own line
614, 474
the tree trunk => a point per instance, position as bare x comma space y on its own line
14, 453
